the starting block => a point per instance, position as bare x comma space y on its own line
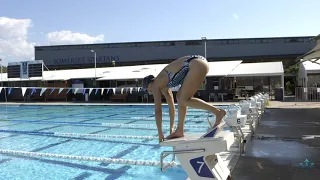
198, 154
263, 98
254, 109
236, 120
251, 111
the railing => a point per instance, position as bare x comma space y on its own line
307, 94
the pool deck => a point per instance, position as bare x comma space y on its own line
277, 148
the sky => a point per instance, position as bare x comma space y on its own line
28, 23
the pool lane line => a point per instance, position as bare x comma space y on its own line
68, 117
88, 158
59, 134
117, 141
97, 124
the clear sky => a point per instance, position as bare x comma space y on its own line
25, 23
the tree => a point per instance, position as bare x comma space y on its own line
4, 69
294, 70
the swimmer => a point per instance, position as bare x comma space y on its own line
188, 72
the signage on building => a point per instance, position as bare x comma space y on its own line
84, 60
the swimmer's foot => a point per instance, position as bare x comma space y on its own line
175, 135
219, 116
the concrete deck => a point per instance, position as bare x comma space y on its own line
278, 147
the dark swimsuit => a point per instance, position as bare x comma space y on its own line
177, 79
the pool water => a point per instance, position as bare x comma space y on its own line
139, 120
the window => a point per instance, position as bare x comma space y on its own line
192, 43
132, 45
292, 40
252, 41
233, 41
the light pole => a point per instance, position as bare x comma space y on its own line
205, 46
95, 66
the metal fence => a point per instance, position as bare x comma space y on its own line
307, 94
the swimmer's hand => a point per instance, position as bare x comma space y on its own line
161, 137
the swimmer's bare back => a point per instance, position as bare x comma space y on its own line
176, 65
172, 67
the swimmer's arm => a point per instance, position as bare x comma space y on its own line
169, 98
158, 109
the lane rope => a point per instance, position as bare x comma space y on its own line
78, 134
88, 158
97, 124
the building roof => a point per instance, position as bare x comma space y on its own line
190, 40
219, 68
258, 69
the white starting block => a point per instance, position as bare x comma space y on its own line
251, 112
265, 98
254, 109
236, 120
198, 154
261, 101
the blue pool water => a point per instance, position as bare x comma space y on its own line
86, 119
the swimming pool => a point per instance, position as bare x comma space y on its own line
36, 128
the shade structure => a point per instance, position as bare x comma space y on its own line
258, 69
222, 68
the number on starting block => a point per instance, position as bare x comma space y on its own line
201, 167
236, 121
253, 110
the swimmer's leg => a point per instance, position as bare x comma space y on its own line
196, 75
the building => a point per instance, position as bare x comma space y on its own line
238, 67
308, 86
284, 49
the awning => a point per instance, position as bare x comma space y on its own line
132, 72
73, 74
258, 69
312, 67
222, 68
4, 78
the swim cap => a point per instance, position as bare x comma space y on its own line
146, 81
